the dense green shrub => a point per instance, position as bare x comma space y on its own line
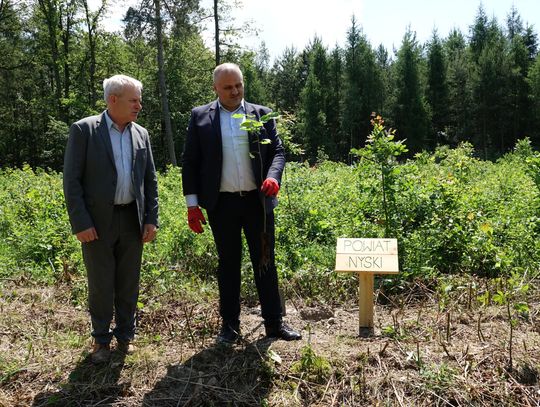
461, 214
451, 213
34, 230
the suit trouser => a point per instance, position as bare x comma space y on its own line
234, 213
113, 264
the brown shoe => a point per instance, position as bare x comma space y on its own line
101, 353
125, 347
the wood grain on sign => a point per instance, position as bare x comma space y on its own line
379, 256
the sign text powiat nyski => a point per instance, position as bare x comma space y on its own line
368, 255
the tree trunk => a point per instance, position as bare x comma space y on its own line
50, 13
216, 29
91, 25
166, 119
66, 38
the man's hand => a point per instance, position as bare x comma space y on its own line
270, 187
195, 218
149, 232
87, 235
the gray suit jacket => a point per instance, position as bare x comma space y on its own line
90, 175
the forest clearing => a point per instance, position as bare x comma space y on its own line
453, 176
459, 325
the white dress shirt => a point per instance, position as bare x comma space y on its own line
236, 171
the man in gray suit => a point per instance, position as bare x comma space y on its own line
110, 186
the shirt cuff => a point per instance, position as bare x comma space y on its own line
192, 200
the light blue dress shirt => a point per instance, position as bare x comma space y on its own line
123, 155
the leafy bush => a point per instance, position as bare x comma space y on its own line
34, 227
451, 213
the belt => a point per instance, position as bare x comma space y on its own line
240, 193
124, 206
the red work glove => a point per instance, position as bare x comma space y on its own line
195, 218
270, 187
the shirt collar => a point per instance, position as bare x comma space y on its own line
112, 124
242, 106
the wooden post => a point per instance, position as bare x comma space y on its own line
366, 257
365, 303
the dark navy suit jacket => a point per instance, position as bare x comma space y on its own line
203, 156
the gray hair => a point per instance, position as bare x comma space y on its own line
226, 67
116, 84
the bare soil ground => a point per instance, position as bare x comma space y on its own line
419, 355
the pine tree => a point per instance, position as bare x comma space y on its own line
479, 33
383, 66
149, 30
460, 117
518, 94
334, 103
312, 119
352, 99
530, 38
253, 82
286, 81
362, 86
314, 101
513, 23
409, 112
491, 87
437, 89
533, 79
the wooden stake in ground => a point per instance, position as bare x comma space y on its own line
366, 257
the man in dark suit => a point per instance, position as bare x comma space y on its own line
235, 176
110, 186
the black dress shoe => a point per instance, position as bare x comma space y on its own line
282, 331
228, 334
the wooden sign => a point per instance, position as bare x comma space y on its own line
366, 257
371, 255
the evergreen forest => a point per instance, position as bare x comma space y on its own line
481, 86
